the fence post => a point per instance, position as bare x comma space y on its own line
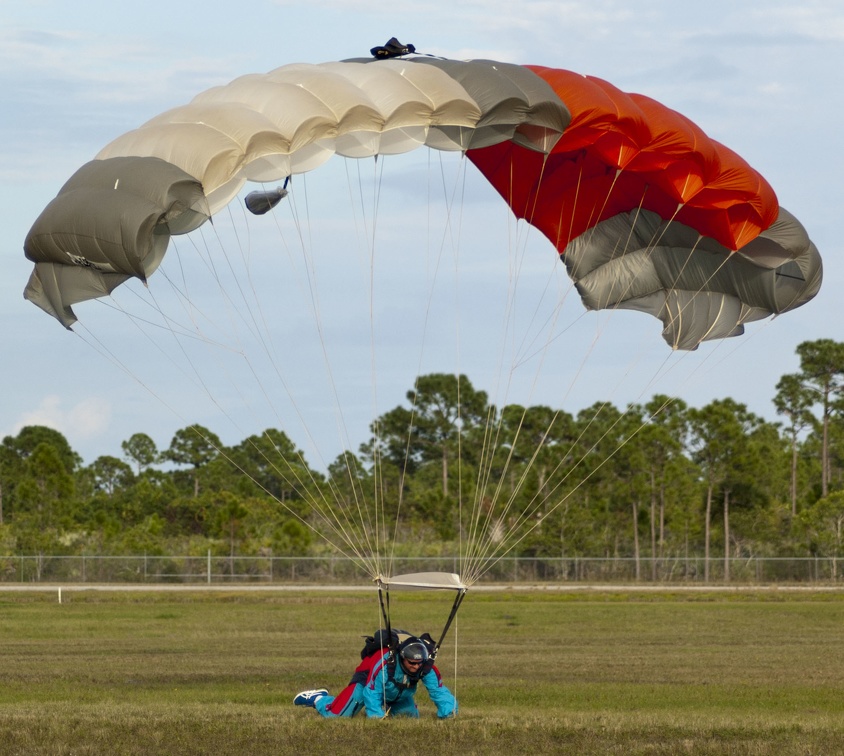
209, 567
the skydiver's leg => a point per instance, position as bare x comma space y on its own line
405, 707
348, 703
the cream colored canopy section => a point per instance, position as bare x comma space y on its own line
113, 219
291, 120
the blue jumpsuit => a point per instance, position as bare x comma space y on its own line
381, 694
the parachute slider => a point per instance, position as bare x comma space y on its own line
422, 581
259, 203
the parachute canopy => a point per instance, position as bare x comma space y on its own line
646, 211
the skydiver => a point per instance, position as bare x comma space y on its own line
384, 685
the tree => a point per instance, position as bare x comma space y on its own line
195, 446
275, 466
44, 492
443, 407
822, 373
17, 450
604, 471
110, 474
8, 460
141, 450
228, 520
663, 439
739, 454
31, 436
716, 434
824, 524
794, 400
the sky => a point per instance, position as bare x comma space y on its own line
763, 77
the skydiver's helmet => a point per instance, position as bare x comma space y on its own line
413, 656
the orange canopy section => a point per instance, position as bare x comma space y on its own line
622, 152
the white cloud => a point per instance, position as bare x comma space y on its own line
86, 419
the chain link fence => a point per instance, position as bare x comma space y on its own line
280, 570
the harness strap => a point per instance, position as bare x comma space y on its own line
458, 600
385, 613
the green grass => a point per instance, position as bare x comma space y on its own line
757, 672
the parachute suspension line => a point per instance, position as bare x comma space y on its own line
181, 347
449, 195
339, 511
483, 547
492, 428
533, 508
366, 243
624, 249
677, 317
96, 344
330, 518
654, 413
365, 512
539, 496
470, 576
342, 529
259, 330
371, 516
549, 327
539, 499
364, 534
456, 249
562, 501
491, 561
379, 491
479, 519
480, 522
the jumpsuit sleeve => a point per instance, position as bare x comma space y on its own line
373, 694
442, 697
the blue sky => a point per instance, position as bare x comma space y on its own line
761, 77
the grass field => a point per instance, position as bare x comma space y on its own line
587, 672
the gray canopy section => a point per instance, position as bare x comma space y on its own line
113, 219
699, 289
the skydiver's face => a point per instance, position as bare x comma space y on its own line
411, 667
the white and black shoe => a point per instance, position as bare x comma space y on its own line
309, 697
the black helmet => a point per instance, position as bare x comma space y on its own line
414, 651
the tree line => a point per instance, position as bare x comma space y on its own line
660, 479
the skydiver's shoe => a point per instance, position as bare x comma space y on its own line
309, 697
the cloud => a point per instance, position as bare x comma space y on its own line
86, 419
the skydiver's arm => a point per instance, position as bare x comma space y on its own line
442, 697
373, 696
